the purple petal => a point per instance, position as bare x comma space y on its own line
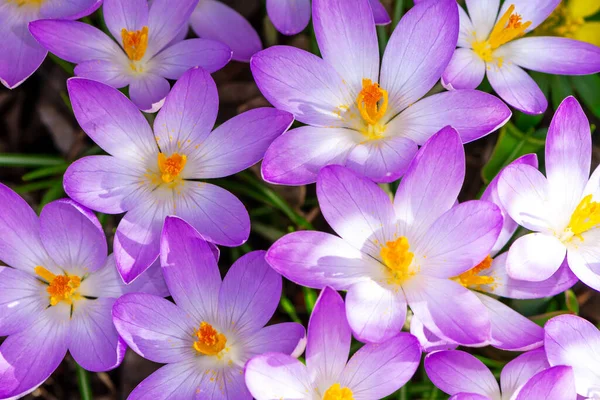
131, 15
190, 269
301, 83
517, 372
466, 29
283, 338
377, 370
454, 371
95, 343
173, 381
468, 396
459, 240
517, 88
483, 13
148, 92
68, 9
239, 143
277, 376
418, 52
465, 71
553, 383
296, 157
584, 258
21, 300
329, 337
154, 327
104, 71
165, 20
448, 310
536, 12
345, 32
356, 208
208, 20
111, 120
289, 16
380, 14
173, 61
428, 340
318, 259
73, 237
535, 257
472, 113
375, 312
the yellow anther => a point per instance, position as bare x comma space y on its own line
33, 3
585, 217
60, 287
337, 392
171, 167
135, 43
210, 342
397, 259
472, 278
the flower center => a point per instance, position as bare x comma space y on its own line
33, 3
397, 259
585, 217
135, 43
509, 27
337, 392
472, 277
60, 287
171, 167
210, 342
372, 103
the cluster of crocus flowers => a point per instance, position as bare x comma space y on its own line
367, 118
151, 174
145, 51
490, 44
214, 327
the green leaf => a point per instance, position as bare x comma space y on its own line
571, 301
55, 192
561, 88
29, 160
288, 308
543, 318
45, 172
588, 89
310, 298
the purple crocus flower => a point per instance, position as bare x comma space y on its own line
390, 254
373, 372
562, 208
57, 292
215, 326
527, 377
21, 54
144, 55
574, 342
368, 120
510, 330
487, 46
150, 175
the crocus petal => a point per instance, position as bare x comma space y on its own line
572, 341
301, 83
75, 41
593, 185
109, 72
428, 340
553, 383
178, 58
418, 52
225, 384
283, 338
296, 157
535, 257
329, 337
190, 269
148, 92
568, 156
460, 239
356, 208
173, 381
95, 343
21, 300
249, 294
432, 183
383, 160
448, 309
354, 52
208, 20
73, 237
465, 71
318, 259
111, 120
20, 243
129, 15
517, 372
536, 12
584, 258
43, 345
375, 312
377, 370
238, 143
454, 371
468, 396
472, 113
277, 376
510, 330
68, 9
218, 215
466, 29
380, 14
289, 16
165, 20
483, 14
517, 88
154, 327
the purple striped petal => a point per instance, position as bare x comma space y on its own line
535, 257
517, 372
517, 88
105, 71
553, 383
68, 9
284, 338
165, 20
277, 376
173, 381
465, 70
22, 300
289, 16
148, 92
483, 13
380, 14
536, 12
131, 15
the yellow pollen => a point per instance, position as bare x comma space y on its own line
472, 277
337, 392
585, 217
210, 342
33, 3
397, 259
372, 103
561, 22
135, 43
60, 287
171, 167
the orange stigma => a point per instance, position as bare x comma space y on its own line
397, 259
171, 167
210, 342
135, 43
60, 287
368, 102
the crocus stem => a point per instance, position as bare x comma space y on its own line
83, 381
398, 10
